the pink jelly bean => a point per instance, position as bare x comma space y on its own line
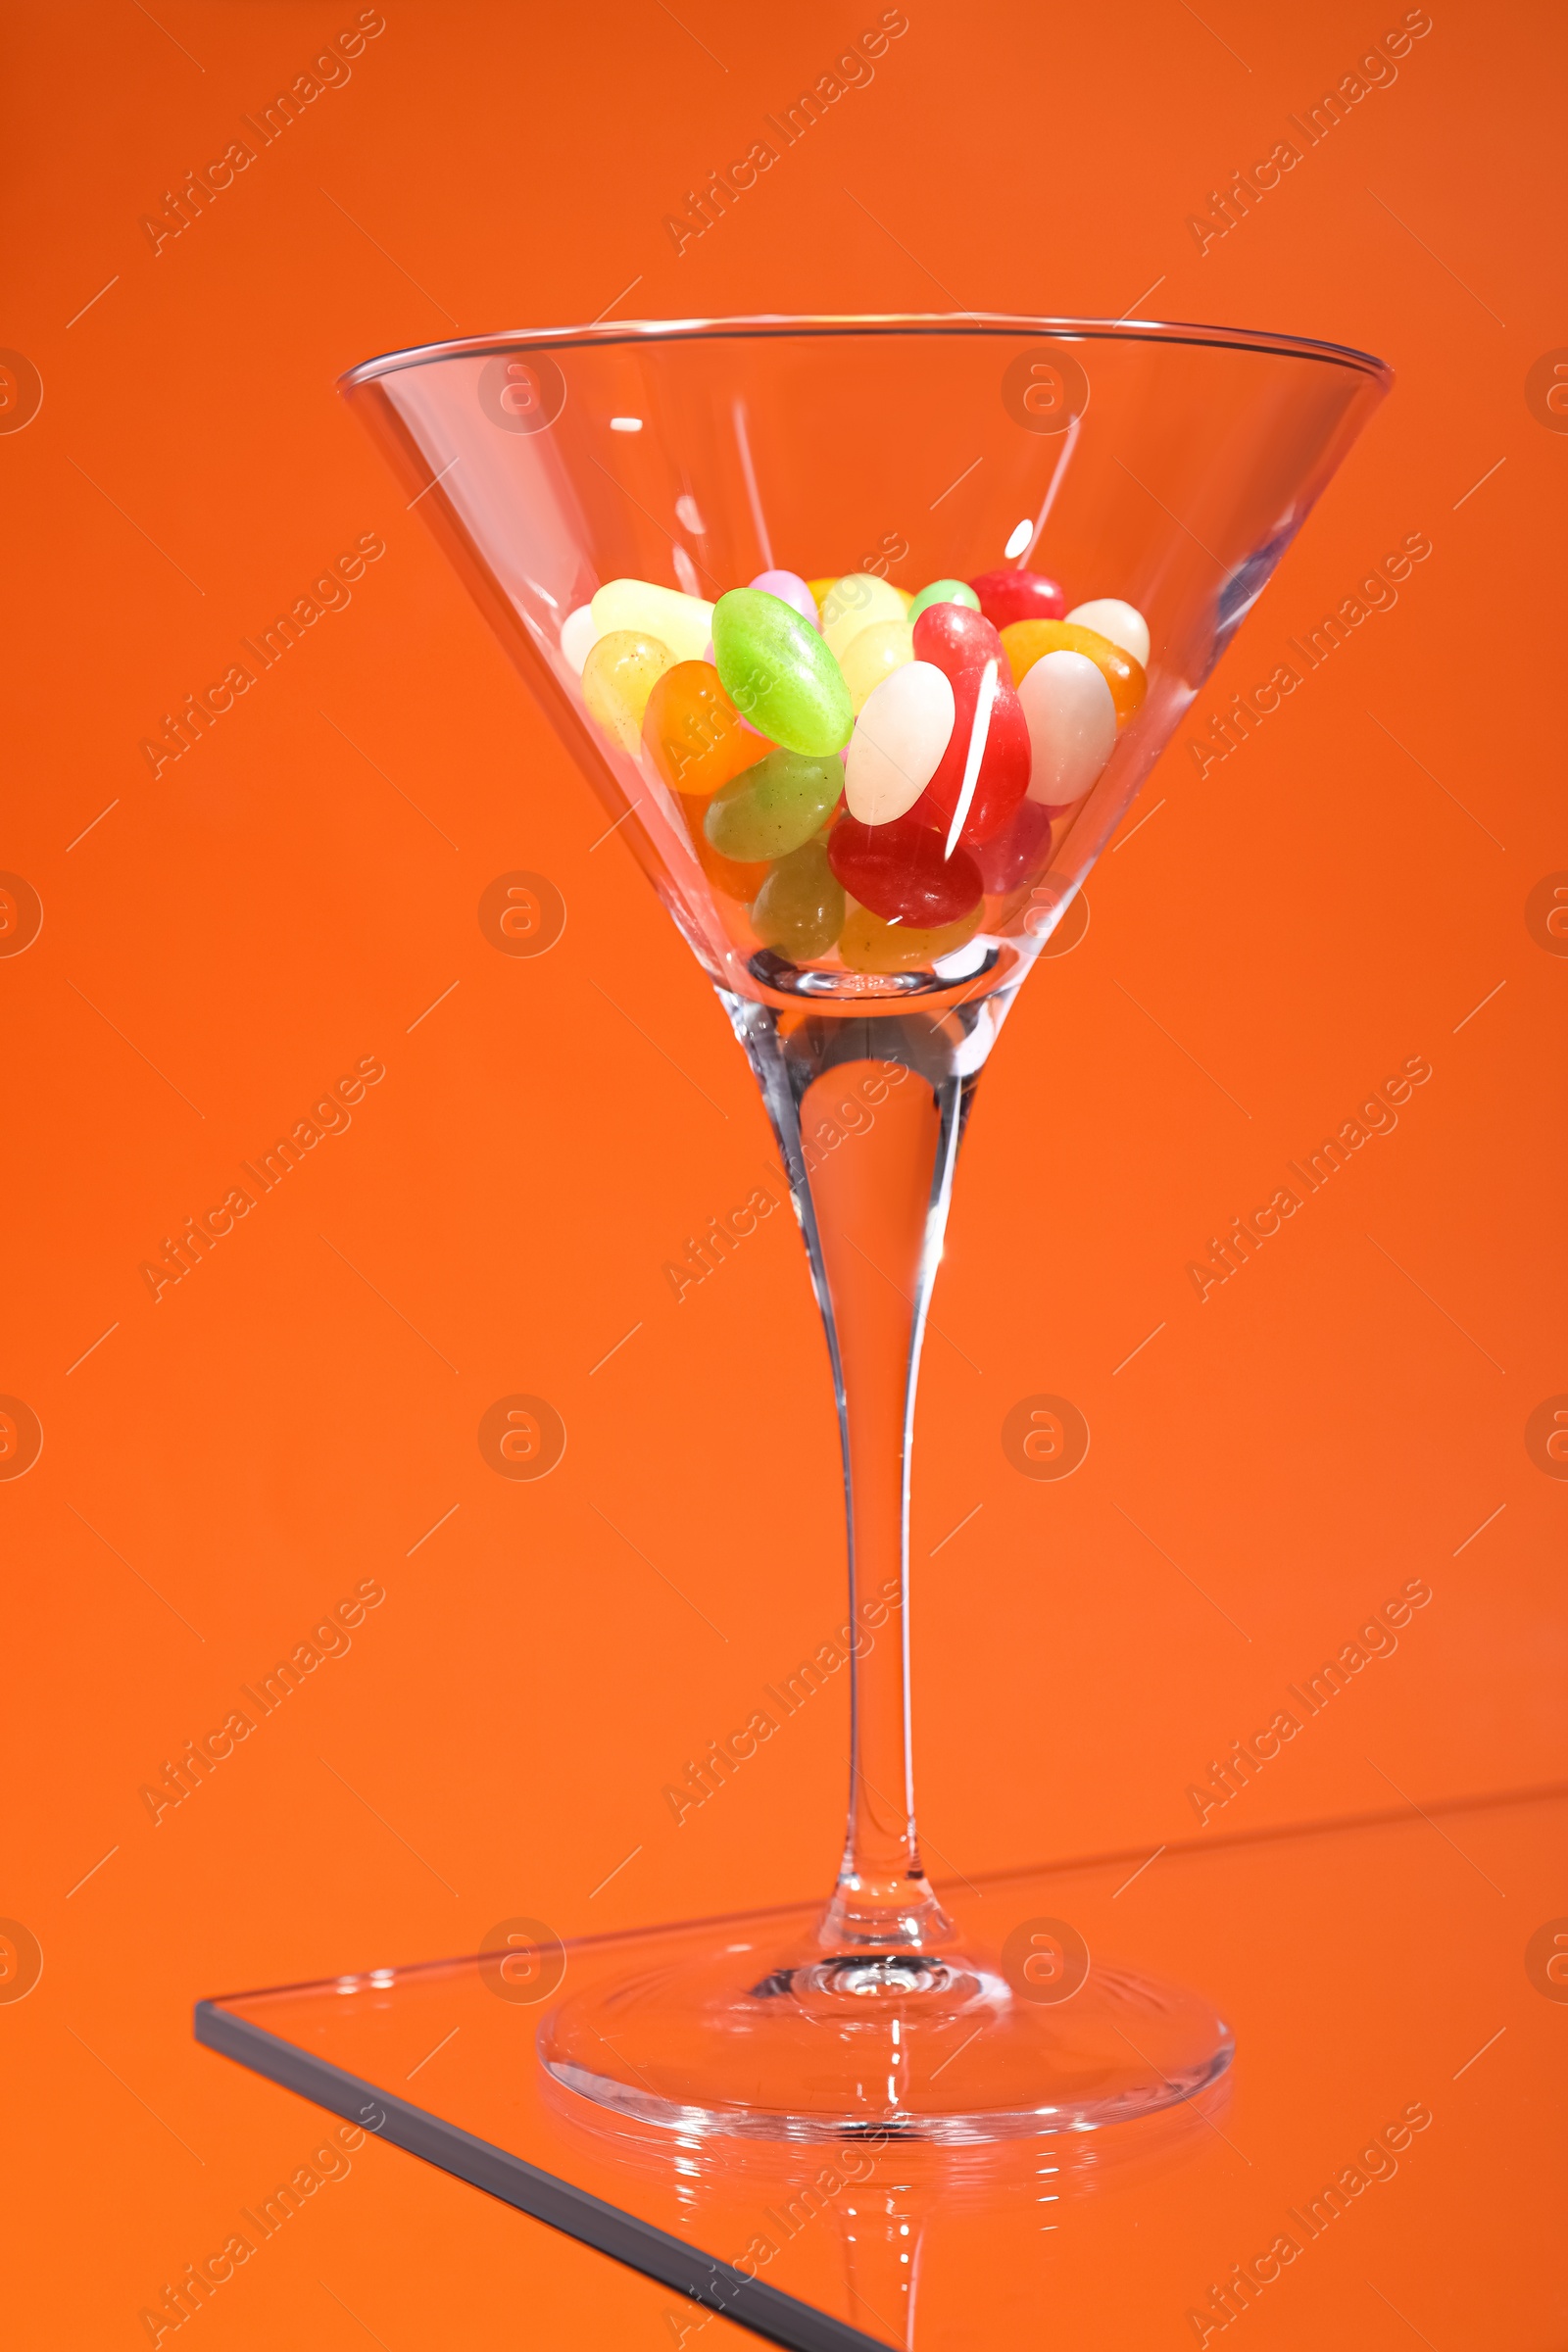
791, 589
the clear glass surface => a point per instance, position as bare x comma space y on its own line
1165, 467
1379, 1972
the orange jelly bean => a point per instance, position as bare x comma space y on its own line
692, 731
1026, 642
729, 875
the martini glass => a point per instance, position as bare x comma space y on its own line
1165, 466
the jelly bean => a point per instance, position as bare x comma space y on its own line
1001, 777
899, 871
1029, 641
945, 591
755, 732
819, 587
617, 678
870, 945
1018, 853
1123, 624
851, 604
775, 806
726, 874
682, 622
779, 674
902, 730
1072, 726
1008, 596
875, 655
906, 599
692, 731
790, 589
800, 909
955, 637
577, 637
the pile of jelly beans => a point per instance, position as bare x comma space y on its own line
860, 768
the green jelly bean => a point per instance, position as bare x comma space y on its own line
943, 592
779, 674
773, 808
800, 909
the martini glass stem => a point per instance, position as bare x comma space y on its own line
870, 1114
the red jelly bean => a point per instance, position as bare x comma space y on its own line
1004, 763
900, 872
1008, 596
1017, 852
956, 638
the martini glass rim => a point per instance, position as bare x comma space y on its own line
764, 325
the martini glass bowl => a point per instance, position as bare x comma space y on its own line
1164, 468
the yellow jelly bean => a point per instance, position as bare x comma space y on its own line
872, 656
684, 623
617, 678
851, 604
820, 588
867, 944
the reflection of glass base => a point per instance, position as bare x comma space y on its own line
905, 2047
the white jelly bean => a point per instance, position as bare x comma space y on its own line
1072, 726
578, 637
902, 730
684, 623
1122, 623
853, 604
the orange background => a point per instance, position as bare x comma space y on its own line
293, 895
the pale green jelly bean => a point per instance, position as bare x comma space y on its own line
800, 909
943, 592
773, 808
779, 674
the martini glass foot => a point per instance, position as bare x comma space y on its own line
956, 2049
